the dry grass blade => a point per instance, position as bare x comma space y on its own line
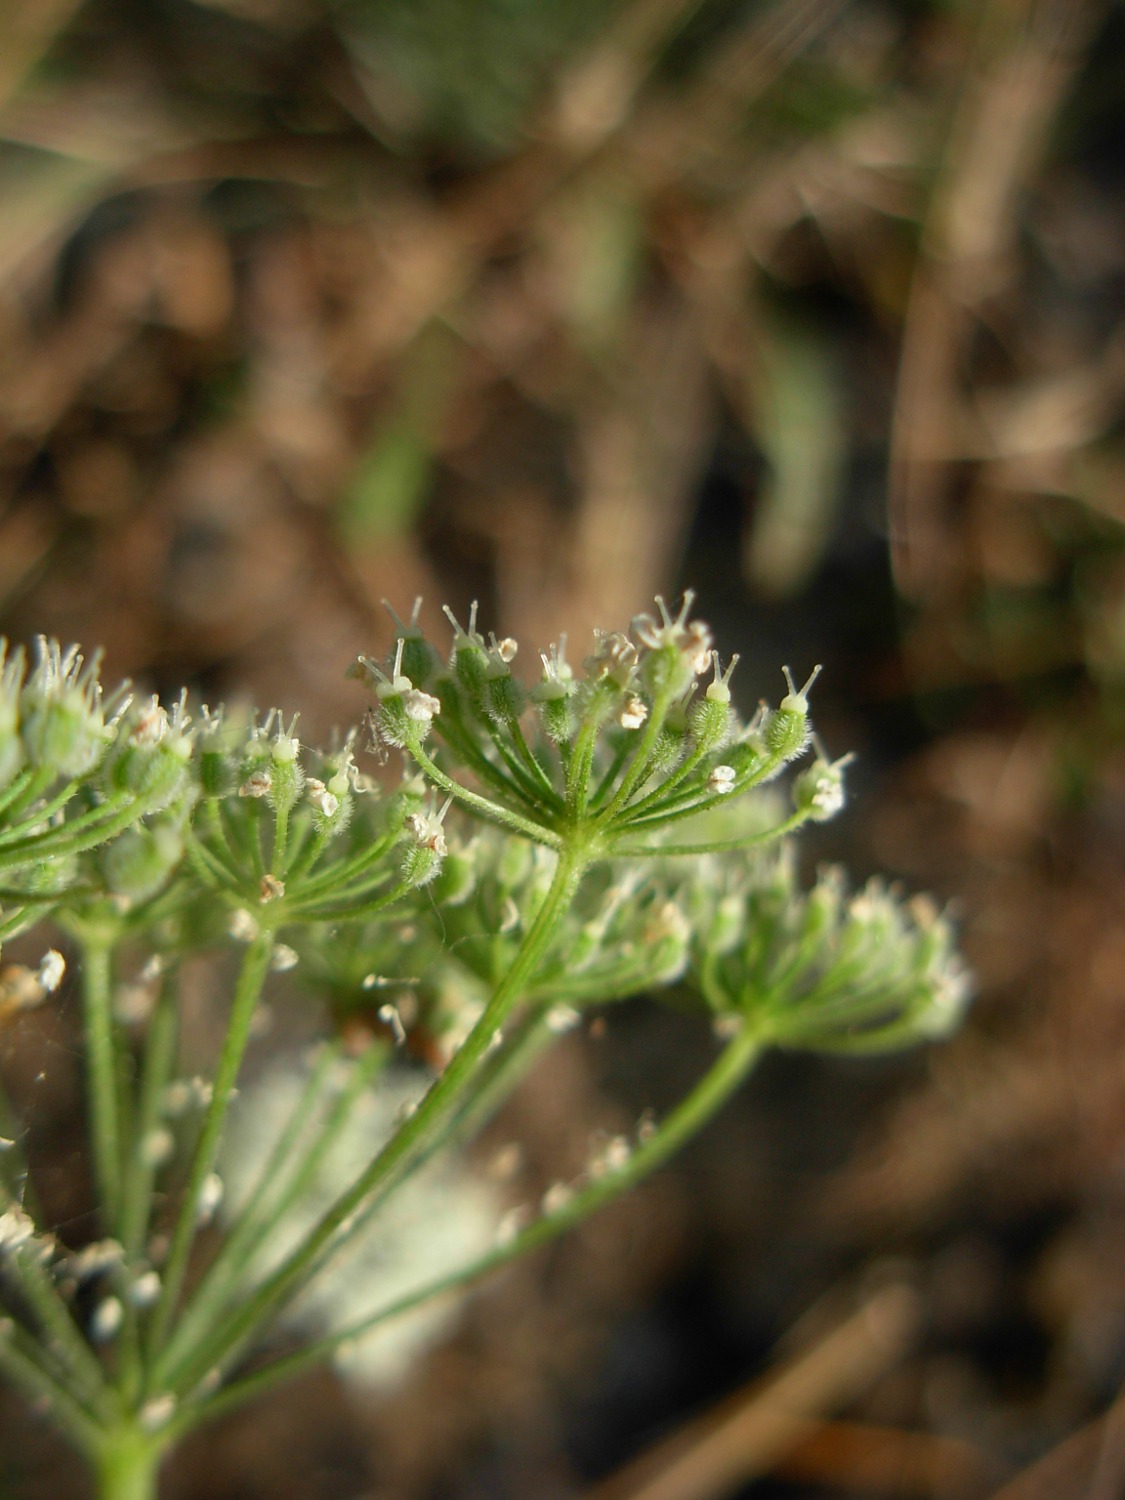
1029, 54
747, 1434
885, 1461
1088, 1465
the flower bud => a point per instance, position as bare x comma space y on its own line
469, 657
215, 762
152, 759
504, 697
786, 731
427, 847
11, 746
419, 659
138, 863
819, 790
61, 721
678, 650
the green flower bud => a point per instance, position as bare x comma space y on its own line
11, 746
819, 790
503, 696
138, 863
217, 768
426, 848
677, 650
786, 731
419, 659
153, 758
469, 657
61, 720
457, 880
287, 779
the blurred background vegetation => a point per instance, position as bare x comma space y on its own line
814, 305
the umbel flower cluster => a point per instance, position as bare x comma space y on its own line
541, 849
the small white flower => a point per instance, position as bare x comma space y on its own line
283, 958
210, 1196
52, 967
610, 1155
634, 711
692, 639
242, 926
107, 1319
151, 726
508, 1229
322, 799
562, 1018
557, 1197
418, 706
145, 1290
158, 1412
721, 780
157, 1146
428, 831
257, 784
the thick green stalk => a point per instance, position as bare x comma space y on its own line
127, 1463
400, 1152
255, 966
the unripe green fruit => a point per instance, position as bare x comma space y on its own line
62, 731
504, 698
709, 723
139, 863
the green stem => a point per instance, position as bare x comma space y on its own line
717, 846
101, 1054
279, 1186
21, 1364
255, 966
23, 789
462, 743
156, 1070
579, 768
127, 1463
341, 871
482, 805
640, 767
82, 833
43, 813
718, 1084
86, 1377
400, 1152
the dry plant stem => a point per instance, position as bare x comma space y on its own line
397, 1156
691, 1114
255, 966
